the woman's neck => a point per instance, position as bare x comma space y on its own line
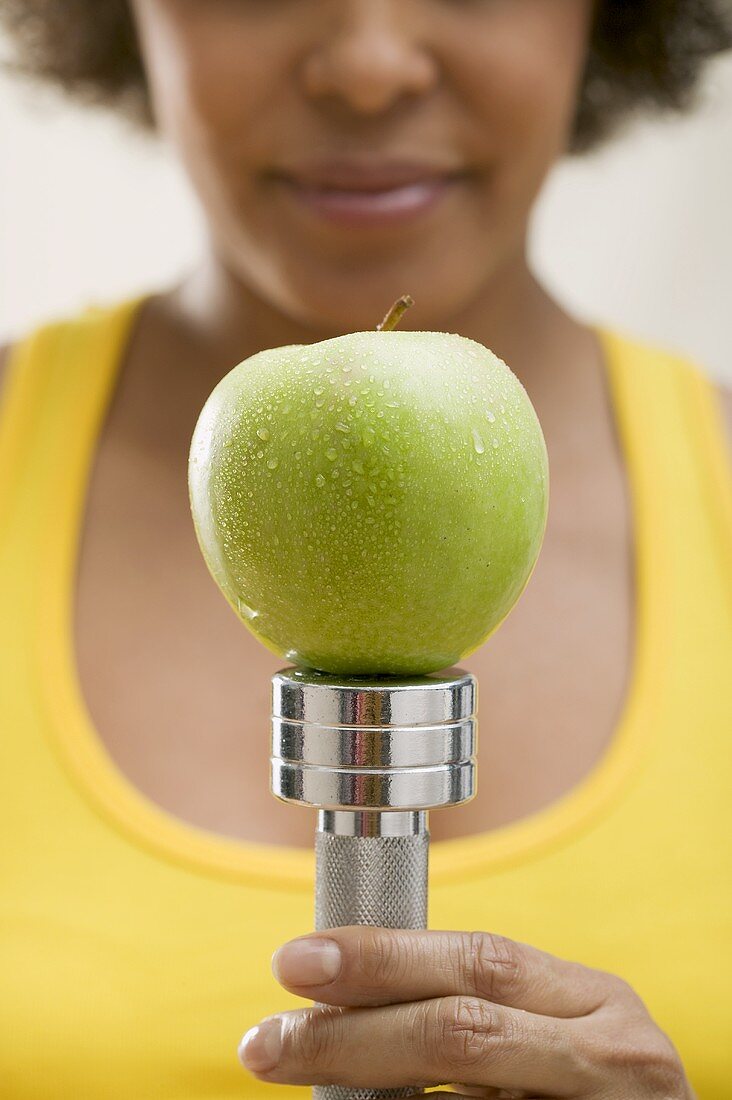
509, 313
211, 321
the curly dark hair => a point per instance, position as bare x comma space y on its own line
644, 54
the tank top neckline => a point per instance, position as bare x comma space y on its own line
107, 790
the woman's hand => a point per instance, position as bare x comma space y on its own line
425, 1008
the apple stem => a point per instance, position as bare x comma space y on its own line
396, 313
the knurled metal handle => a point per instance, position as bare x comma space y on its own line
376, 880
374, 755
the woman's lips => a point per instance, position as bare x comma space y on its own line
373, 207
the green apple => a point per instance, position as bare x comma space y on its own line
373, 503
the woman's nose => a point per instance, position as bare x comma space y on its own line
369, 56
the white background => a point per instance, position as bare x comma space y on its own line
638, 235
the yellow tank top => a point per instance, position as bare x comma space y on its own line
135, 948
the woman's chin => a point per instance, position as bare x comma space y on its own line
355, 297
351, 305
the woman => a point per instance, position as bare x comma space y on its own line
344, 153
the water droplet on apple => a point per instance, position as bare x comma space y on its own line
331, 454
341, 427
320, 481
495, 442
358, 467
263, 433
478, 442
272, 463
247, 611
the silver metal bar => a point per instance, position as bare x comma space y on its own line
407, 788
373, 755
370, 823
366, 875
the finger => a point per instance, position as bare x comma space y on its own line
361, 965
422, 1045
483, 1093
470, 1092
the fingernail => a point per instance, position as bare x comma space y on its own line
260, 1048
307, 962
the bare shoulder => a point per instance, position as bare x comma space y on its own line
725, 397
6, 351
4, 356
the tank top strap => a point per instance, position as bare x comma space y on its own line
59, 379
670, 418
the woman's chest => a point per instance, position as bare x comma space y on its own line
126, 976
178, 689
